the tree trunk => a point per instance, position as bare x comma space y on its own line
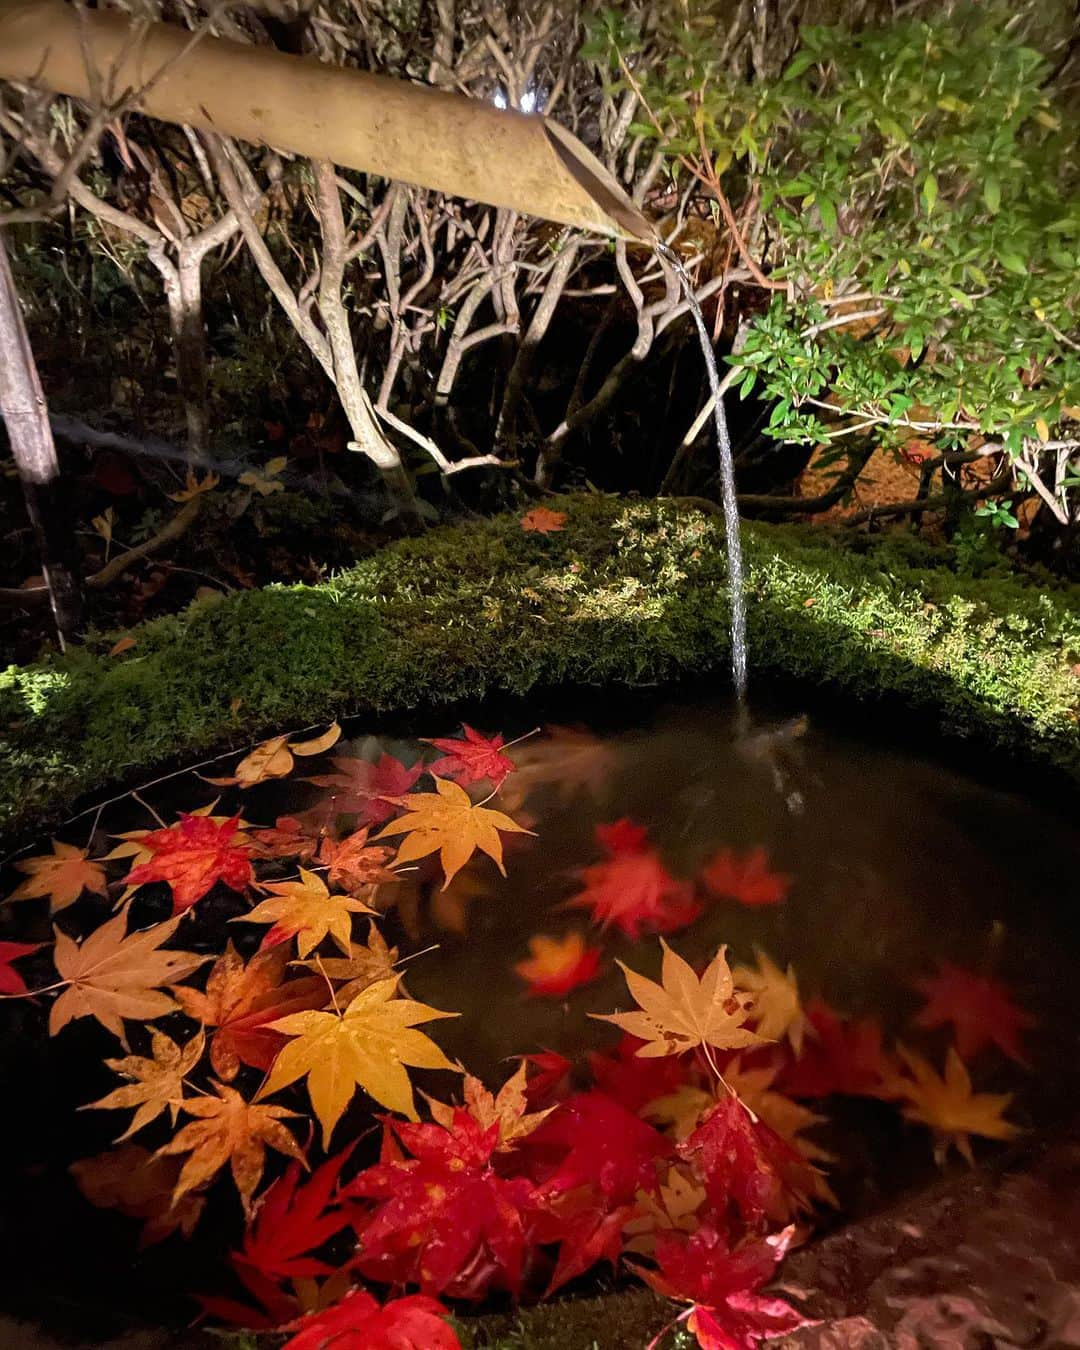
184, 293
22, 403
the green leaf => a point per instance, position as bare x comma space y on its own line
992, 194
1012, 262
827, 207
929, 193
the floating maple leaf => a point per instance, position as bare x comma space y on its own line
551, 1082
192, 856
62, 875
274, 759
748, 1169
356, 864
949, 1106
290, 837
305, 910
979, 1009
227, 1129
368, 1045
446, 1220
682, 1012
415, 1322
722, 1284
241, 1001
839, 1055
567, 757
473, 759
507, 1109
557, 965
587, 1229
747, 879
366, 964
541, 520
368, 790
622, 836
292, 1220
135, 1182
632, 890
157, 1082
445, 821
777, 1011
632, 1080
112, 975
11, 982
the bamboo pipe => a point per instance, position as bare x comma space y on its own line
378, 125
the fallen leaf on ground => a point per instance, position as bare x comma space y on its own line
367, 1046
555, 966
541, 520
113, 975
446, 821
414, 1322
305, 910
240, 1002
227, 1129
747, 879
682, 1012
192, 856
62, 876
157, 1082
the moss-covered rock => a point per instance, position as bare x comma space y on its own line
629, 592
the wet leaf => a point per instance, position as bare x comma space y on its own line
777, 1011
555, 966
748, 880
507, 1109
474, 759
194, 855
135, 1182
157, 1082
414, 1322
948, 1106
305, 910
11, 982
369, 1045
979, 1009
274, 759
62, 876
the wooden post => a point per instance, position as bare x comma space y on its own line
22, 404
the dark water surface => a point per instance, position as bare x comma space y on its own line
898, 862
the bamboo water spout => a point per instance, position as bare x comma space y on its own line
372, 123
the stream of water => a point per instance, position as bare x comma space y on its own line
727, 480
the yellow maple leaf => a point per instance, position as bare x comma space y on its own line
113, 975
157, 1083
195, 486
948, 1105
274, 759
507, 1108
366, 964
62, 875
568, 758
306, 910
368, 1045
446, 821
682, 1012
267, 479
777, 1010
227, 1129
675, 1208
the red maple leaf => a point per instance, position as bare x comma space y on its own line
632, 889
361, 788
446, 1220
290, 837
722, 1283
980, 1010
634, 1080
590, 1140
272, 1307
192, 856
557, 966
358, 1322
292, 1220
746, 879
11, 982
587, 1229
838, 1056
747, 1169
242, 1000
552, 1083
473, 759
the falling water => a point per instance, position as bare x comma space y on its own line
727, 482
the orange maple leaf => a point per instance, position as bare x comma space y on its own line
62, 875
193, 855
354, 863
135, 1182
542, 521
557, 965
747, 879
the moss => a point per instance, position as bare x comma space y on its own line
629, 592
629, 1318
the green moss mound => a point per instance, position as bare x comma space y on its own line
628, 592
